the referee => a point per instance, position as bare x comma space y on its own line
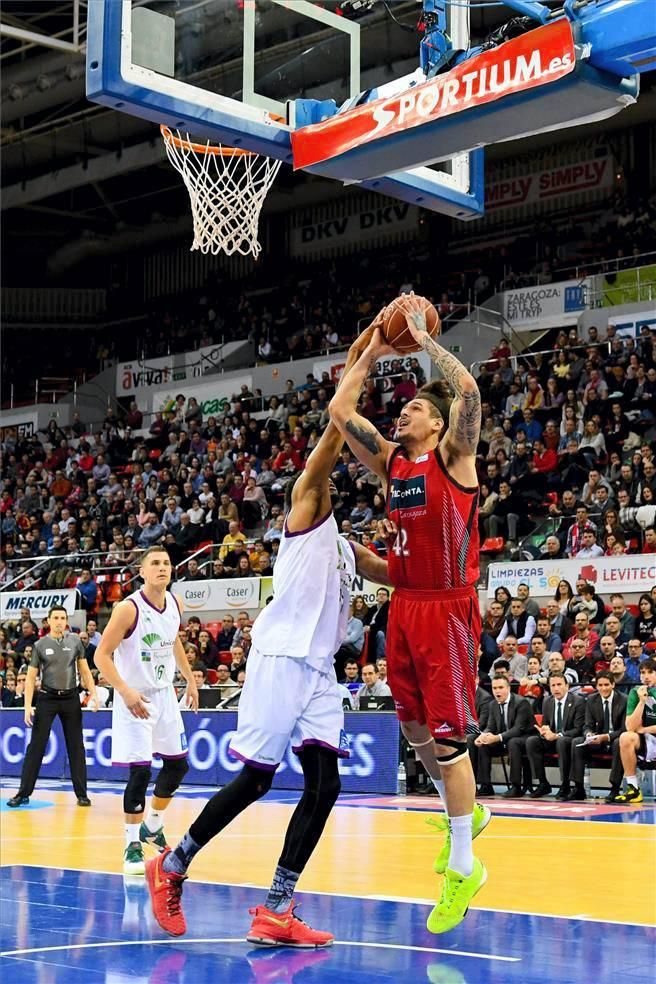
58, 656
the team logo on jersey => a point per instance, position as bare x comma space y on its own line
151, 639
344, 741
408, 493
145, 656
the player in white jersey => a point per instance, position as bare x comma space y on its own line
290, 695
138, 655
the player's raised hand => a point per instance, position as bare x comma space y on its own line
415, 315
136, 703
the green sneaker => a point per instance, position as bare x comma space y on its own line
146, 836
457, 893
133, 859
482, 816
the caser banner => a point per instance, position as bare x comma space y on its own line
211, 596
372, 740
545, 305
39, 603
213, 396
633, 573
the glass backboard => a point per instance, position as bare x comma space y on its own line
234, 71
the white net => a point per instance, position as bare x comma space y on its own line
227, 188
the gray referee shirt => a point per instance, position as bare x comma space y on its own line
57, 661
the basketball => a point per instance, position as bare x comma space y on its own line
395, 326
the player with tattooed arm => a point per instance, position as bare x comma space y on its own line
429, 474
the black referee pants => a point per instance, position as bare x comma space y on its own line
47, 707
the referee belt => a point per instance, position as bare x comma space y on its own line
58, 693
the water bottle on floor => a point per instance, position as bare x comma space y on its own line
586, 782
402, 785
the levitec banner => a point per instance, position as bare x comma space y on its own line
545, 305
551, 184
213, 397
132, 377
398, 220
635, 573
536, 58
39, 603
372, 738
211, 596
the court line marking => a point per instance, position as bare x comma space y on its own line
346, 895
240, 939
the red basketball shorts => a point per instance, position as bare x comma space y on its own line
432, 657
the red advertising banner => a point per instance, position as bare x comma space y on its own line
534, 59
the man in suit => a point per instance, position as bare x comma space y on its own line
375, 623
605, 714
482, 702
510, 720
563, 717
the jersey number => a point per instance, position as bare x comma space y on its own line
400, 547
159, 672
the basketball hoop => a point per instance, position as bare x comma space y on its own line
227, 188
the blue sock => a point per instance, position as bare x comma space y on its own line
179, 860
282, 889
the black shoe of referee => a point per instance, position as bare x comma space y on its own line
83, 801
18, 800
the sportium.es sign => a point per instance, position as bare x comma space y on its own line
534, 59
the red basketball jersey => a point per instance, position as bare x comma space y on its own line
437, 547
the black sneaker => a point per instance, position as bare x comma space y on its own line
563, 793
612, 796
485, 790
515, 792
18, 800
542, 789
577, 793
83, 801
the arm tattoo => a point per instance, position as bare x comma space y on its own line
366, 437
465, 416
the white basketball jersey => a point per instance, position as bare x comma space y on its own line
312, 580
145, 658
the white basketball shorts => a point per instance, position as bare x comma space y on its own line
136, 740
286, 700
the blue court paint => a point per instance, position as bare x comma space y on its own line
91, 926
34, 804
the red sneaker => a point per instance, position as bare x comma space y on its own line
165, 889
284, 929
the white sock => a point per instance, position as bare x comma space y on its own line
153, 820
461, 858
632, 781
439, 786
131, 833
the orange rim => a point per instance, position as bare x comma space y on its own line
181, 144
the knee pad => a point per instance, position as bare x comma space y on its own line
134, 797
170, 776
460, 751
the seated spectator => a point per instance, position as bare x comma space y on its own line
232, 537
633, 653
557, 664
540, 652
493, 622
237, 661
275, 532
589, 547
199, 671
375, 622
624, 616
604, 723
581, 663
372, 686
649, 545
88, 590
582, 631
552, 549
504, 518
152, 532
223, 679
225, 637
645, 625
518, 623
638, 743
361, 515
531, 606
614, 630
351, 678
517, 663
552, 641
575, 535
509, 722
351, 647
193, 572
586, 601
560, 623
563, 717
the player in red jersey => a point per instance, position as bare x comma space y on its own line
434, 622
